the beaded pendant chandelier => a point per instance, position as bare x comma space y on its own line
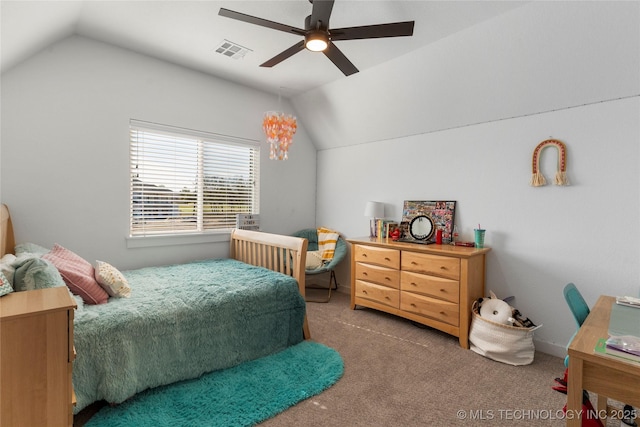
279, 129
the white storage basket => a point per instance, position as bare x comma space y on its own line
504, 343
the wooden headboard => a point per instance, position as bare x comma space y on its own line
7, 242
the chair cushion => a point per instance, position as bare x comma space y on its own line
314, 260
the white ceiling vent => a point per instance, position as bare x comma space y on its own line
232, 50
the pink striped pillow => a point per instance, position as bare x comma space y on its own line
78, 274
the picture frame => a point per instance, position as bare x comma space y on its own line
441, 212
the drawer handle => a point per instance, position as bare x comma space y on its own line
412, 305
413, 284
364, 273
442, 290
443, 267
414, 263
387, 259
387, 298
364, 255
387, 278
443, 313
364, 292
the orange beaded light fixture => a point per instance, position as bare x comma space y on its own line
279, 129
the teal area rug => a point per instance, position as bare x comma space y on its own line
240, 396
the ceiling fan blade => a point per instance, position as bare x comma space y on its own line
337, 57
396, 29
259, 21
321, 11
284, 54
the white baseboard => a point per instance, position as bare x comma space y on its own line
550, 348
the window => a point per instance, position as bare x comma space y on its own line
189, 182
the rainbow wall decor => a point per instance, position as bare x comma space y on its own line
538, 180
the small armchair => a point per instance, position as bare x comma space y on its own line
311, 234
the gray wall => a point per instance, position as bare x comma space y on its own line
65, 149
459, 120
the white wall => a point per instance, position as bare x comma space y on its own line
538, 57
541, 238
64, 160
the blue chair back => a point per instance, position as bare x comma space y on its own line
577, 305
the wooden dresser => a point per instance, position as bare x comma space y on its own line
36, 358
434, 285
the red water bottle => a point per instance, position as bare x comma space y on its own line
438, 236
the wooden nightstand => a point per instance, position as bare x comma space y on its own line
36, 358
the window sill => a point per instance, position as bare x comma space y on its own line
178, 239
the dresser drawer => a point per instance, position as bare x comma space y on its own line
437, 309
380, 256
431, 264
438, 287
381, 294
380, 275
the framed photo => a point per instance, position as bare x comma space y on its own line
441, 212
404, 230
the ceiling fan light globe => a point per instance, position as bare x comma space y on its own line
316, 45
316, 41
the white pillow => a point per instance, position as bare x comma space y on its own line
112, 280
314, 260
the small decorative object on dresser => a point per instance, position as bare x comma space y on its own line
440, 212
373, 210
434, 285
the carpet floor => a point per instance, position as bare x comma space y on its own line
400, 374
240, 396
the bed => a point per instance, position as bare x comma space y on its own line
187, 319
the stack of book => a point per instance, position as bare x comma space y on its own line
383, 227
626, 348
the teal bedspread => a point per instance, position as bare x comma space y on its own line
180, 322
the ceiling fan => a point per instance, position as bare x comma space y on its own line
318, 37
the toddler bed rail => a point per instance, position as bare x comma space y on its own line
284, 254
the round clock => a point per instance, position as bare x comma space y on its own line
421, 227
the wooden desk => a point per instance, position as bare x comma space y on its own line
609, 377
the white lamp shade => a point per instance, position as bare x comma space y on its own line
374, 210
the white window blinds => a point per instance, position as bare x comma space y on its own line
186, 181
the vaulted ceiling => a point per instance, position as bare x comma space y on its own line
188, 33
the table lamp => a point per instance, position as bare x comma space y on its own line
373, 210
